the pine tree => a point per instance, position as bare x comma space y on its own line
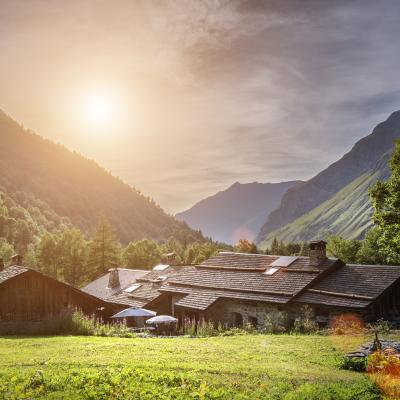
73, 250
104, 250
275, 247
385, 197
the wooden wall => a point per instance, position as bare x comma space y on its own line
32, 296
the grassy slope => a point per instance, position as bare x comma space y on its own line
240, 367
348, 213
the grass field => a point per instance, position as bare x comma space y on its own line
239, 367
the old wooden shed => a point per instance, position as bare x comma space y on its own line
28, 295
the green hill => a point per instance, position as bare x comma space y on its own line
73, 189
335, 201
348, 213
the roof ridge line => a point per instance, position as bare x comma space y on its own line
251, 269
281, 293
339, 294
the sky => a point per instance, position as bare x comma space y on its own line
183, 98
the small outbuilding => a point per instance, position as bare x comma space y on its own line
29, 295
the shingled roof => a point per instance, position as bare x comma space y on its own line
148, 284
99, 287
353, 286
243, 277
11, 272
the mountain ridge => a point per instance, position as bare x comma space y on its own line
236, 212
363, 156
78, 188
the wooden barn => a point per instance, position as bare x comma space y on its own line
28, 295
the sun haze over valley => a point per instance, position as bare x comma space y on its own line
199, 199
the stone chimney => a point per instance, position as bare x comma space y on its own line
1, 264
16, 259
113, 278
317, 252
170, 258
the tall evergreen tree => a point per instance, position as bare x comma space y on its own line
385, 197
73, 250
47, 255
104, 250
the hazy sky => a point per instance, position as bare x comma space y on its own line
183, 98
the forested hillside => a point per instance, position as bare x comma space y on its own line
302, 207
73, 187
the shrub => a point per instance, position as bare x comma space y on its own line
70, 323
305, 322
380, 326
358, 364
275, 322
385, 372
347, 324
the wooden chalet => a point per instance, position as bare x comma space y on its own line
28, 295
235, 288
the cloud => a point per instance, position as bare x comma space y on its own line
215, 91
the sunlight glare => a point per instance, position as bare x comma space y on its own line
99, 109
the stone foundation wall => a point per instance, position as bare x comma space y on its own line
231, 312
261, 314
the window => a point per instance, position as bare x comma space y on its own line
131, 288
284, 261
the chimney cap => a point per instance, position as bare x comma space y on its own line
16, 259
318, 242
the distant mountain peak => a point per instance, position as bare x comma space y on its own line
236, 212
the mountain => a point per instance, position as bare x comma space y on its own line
237, 212
336, 200
77, 189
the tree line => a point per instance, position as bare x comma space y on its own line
72, 257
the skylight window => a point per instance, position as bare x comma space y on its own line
132, 288
160, 267
284, 261
271, 271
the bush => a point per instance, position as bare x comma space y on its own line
305, 322
70, 323
358, 364
275, 322
385, 372
347, 324
380, 326
204, 328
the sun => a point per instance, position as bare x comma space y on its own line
99, 108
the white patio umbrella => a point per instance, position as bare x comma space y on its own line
134, 312
162, 319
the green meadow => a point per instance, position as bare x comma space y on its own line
238, 367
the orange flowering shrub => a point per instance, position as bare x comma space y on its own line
347, 324
384, 370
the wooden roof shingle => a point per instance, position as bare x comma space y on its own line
11, 272
351, 286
